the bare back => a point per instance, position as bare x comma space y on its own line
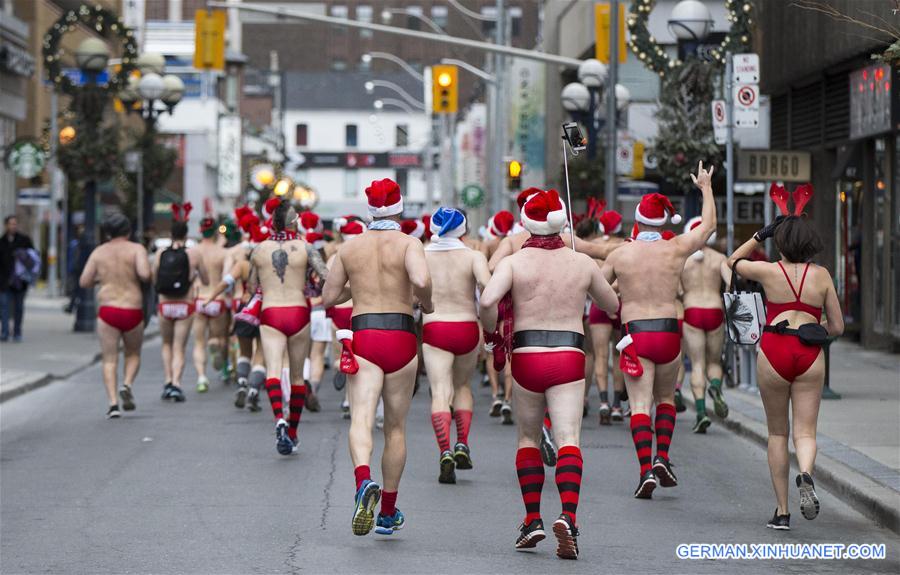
213, 258
648, 274
281, 272
454, 278
118, 266
701, 280
375, 263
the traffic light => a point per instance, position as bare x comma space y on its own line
513, 174
445, 89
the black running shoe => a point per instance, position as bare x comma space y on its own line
809, 501
340, 380
283, 443
127, 398
662, 468
604, 413
176, 394
506, 413
719, 405
113, 412
167, 391
702, 423
548, 448
253, 400
679, 402
312, 401
462, 456
495, 407
566, 538
530, 535
448, 468
646, 486
616, 414
780, 522
240, 397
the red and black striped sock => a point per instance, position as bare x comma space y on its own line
388, 503
298, 398
440, 420
362, 473
642, 436
273, 388
530, 470
569, 467
547, 423
665, 427
463, 418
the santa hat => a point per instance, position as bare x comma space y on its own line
258, 234
426, 221
351, 229
667, 235
610, 222
413, 228
448, 223
248, 221
543, 213
655, 210
241, 212
693, 223
384, 198
315, 239
311, 222
501, 223
525, 194
270, 206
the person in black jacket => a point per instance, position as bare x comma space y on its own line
12, 290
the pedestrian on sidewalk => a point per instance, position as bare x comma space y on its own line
19, 268
791, 367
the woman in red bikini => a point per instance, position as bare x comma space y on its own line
791, 367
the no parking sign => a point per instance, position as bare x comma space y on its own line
746, 105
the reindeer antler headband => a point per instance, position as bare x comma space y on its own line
178, 209
801, 196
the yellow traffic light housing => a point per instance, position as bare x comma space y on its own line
513, 174
445, 89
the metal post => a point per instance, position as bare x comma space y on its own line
451, 169
146, 196
499, 142
141, 230
591, 123
612, 78
729, 152
85, 316
53, 170
767, 219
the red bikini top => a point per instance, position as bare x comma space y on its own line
774, 309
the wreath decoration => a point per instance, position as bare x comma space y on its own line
654, 57
104, 22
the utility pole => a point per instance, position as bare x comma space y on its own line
55, 199
729, 150
499, 143
611, 110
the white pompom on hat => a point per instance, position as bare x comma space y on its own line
655, 210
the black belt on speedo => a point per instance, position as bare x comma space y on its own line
387, 321
668, 324
547, 338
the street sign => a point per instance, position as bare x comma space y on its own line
133, 161
773, 165
472, 196
26, 158
601, 33
33, 197
80, 78
230, 182
746, 105
209, 39
746, 69
719, 121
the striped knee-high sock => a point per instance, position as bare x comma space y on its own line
463, 418
530, 470
440, 420
273, 388
665, 427
298, 398
569, 468
642, 436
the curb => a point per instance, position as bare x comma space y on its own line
873, 500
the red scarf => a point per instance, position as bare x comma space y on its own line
553, 242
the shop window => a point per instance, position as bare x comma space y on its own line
350, 135
401, 135
300, 135
351, 183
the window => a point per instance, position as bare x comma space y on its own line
300, 135
338, 64
340, 11
515, 22
350, 135
401, 135
351, 183
364, 14
488, 26
413, 20
439, 15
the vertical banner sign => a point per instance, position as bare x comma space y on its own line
601, 33
209, 39
229, 184
526, 118
719, 121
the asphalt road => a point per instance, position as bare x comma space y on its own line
198, 488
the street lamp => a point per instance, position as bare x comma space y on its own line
92, 55
369, 56
387, 16
372, 84
690, 22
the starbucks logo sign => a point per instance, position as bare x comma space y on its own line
26, 159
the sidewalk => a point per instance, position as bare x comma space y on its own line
49, 350
858, 435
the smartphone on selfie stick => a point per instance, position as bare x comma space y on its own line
577, 142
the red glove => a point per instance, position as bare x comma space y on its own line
349, 364
628, 359
493, 343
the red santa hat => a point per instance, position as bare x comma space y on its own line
610, 222
270, 206
501, 224
693, 223
384, 198
311, 222
315, 239
258, 234
414, 228
351, 229
667, 235
655, 210
525, 194
426, 221
543, 213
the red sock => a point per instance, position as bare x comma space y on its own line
547, 423
441, 422
569, 467
665, 427
388, 503
362, 473
463, 419
643, 439
298, 398
530, 469
273, 388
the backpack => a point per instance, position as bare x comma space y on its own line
173, 277
26, 267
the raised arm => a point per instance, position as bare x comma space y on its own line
600, 290
498, 286
419, 276
89, 274
480, 270
333, 291
596, 250
695, 239
503, 250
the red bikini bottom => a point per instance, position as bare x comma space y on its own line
704, 318
122, 318
539, 370
456, 337
289, 320
788, 355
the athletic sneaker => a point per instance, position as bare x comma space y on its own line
253, 400
566, 538
127, 398
662, 468
496, 406
530, 535
506, 413
616, 414
367, 497
386, 525
176, 394
283, 443
780, 522
462, 456
113, 412
679, 402
548, 448
646, 486
202, 384
345, 409
167, 391
809, 501
448, 468
702, 423
340, 380
719, 405
240, 397
604, 414
312, 400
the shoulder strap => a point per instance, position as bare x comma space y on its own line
802, 281
791, 285
731, 286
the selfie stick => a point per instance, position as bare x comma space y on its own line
568, 192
